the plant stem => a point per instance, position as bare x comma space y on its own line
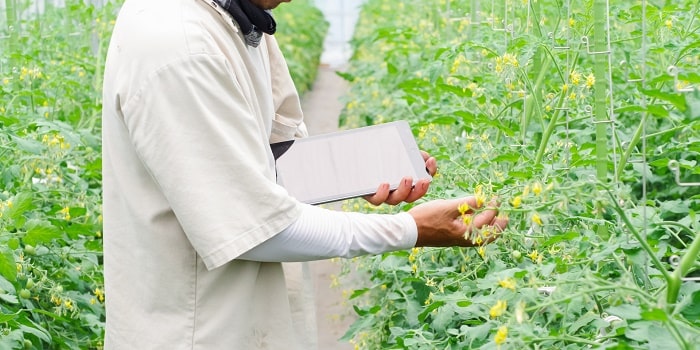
677, 335
633, 143
582, 293
568, 339
685, 265
534, 100
550, 129
645, 245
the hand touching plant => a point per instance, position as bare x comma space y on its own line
457, 222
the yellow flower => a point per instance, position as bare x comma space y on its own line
536, 219
565, 87
572, 22
534, 255
537, 188
516, 201
467, 219
510, 59
66, 212
501, 335
590, 80
669, 23
463, 208
575, 77
498, 309
482, 251
479, 195
507, 283
99, 294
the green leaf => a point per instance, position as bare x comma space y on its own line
422, 291
29, 146
661, 338
626, 311
75, 231
692, 310
678, 100
654, 315
13, 243
638, 331
476, 333
358, 326
41, 233
8, 267
347, 76
423, 315
9, 298
21, 203
37, 331
356, 293
464, 303
8, 317
443, 318
582, 321
77, 212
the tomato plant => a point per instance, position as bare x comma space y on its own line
582, 119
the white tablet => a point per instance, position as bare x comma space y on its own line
350, 163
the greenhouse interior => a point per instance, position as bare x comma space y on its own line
578, 122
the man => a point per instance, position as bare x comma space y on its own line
195, 226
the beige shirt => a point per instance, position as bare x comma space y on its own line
189, 181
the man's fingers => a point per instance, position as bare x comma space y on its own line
484, 218
459, 205
400, 193
499, 222
380, 196
430, 163
418, 191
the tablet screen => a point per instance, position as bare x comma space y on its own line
350, 163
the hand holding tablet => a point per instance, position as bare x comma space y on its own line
350, 163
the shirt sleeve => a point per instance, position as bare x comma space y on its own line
322, 234
207, 150
289, 118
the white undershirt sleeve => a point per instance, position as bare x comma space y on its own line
322, 234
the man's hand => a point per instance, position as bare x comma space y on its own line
406, 192
441, 222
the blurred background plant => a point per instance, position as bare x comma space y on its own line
51, 282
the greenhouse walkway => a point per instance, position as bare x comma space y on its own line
322, 107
